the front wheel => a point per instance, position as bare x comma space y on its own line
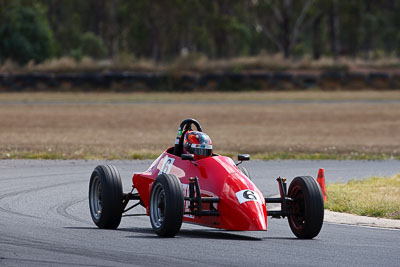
105, 197
166, 205
307, 210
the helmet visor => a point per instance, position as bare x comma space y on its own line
201, 149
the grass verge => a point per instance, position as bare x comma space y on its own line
376, 196
140, 155
192, 97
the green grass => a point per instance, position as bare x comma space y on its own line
325, 156
376, 196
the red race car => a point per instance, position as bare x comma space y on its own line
190, 183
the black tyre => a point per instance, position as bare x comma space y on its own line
105, 197
166, 205
307, 209
245, 171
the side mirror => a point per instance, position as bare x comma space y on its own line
187, 157
243, 157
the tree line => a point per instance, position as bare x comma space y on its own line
164, 30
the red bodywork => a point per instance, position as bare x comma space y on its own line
218, 177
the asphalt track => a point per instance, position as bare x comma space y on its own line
45, 221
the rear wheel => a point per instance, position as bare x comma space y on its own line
166, 205
105, 197
307, 209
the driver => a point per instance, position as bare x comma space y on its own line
198, 143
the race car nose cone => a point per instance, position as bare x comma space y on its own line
243, 208
256, 218
258, 223
249, 216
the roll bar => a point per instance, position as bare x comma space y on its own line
186, 125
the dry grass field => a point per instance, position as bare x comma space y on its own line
106, 126
109, 97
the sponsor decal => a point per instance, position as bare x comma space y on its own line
179, 134
167, 165
201, 146
247, 195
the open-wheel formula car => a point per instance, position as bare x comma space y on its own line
189, 183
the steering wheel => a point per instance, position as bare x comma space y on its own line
186, 125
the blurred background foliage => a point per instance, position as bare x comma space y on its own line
162, 31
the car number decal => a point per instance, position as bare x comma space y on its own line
247, 195
167, 165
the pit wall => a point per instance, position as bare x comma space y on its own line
218, 81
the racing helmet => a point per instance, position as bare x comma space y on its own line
198, 143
